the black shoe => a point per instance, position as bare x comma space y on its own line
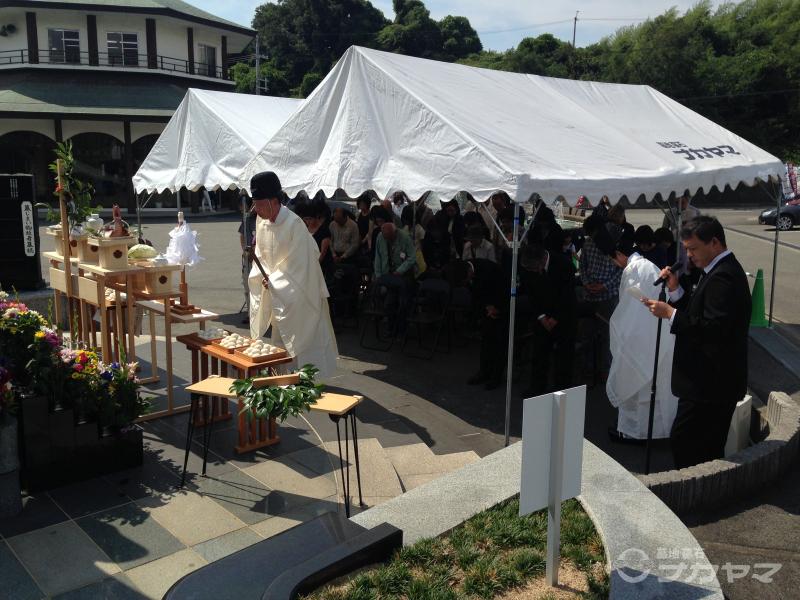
476, 379
492, 384
621, 438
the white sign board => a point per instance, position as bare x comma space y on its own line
28, 233
539, 424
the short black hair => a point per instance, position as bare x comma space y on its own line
705, 229
378, 212
663, 234
644, 235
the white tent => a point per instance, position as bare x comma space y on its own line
385, 121
209, 140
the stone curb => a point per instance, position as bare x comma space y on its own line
640, 534
721, 481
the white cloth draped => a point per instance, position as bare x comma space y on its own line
296, 301
633, 343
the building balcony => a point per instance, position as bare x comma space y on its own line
125, 60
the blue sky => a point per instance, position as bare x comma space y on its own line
503, 23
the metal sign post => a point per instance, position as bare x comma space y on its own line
555, 488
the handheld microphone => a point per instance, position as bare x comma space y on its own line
674, 268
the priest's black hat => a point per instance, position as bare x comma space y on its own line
265, 185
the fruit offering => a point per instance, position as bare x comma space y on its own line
234, 340
261, 348
214, 333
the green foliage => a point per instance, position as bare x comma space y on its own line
494, 551
280, 402
78, 193
310, 81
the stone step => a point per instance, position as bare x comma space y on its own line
379, 480
416, 464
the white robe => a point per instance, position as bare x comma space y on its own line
296, 301
633, 342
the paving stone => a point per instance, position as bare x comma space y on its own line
151, 479
129, 535
278, 524
118, 587
238, 493
227, 544
292, 481
164, 445
191, 518
86, 497
79, 561
37, 511
16, 582
155, 578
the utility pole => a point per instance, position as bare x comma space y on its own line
258, 64
574, 28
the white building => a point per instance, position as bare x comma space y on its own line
105, 74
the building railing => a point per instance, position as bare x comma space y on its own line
122, 59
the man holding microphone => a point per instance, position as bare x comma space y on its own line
710, 323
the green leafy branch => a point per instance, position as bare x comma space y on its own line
280, 402
79, 193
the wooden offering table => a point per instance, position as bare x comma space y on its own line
93, 291
154, 308
255, 434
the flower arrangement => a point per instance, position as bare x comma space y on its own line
71, 378
22, 332
279, 402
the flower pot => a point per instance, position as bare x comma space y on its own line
10, 495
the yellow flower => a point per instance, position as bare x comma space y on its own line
39, 335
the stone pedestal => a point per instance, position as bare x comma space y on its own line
10, 496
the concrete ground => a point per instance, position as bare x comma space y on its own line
430, 401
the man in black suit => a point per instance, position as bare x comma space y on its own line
548, 283
710, 323
490, 283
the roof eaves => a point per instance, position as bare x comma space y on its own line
210, 21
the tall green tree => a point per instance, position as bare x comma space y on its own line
309, 36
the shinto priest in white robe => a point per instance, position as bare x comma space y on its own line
633, 343
296, 301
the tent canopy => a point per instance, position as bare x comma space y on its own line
209, 140
386, 121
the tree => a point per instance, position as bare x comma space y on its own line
459, 39
303, 36
413, 33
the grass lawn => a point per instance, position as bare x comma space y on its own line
490, 555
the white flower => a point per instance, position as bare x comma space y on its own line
3, 295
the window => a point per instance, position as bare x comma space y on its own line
64, 46
123, 49
208, 61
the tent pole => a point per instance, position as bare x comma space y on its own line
778, 195
511, 315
